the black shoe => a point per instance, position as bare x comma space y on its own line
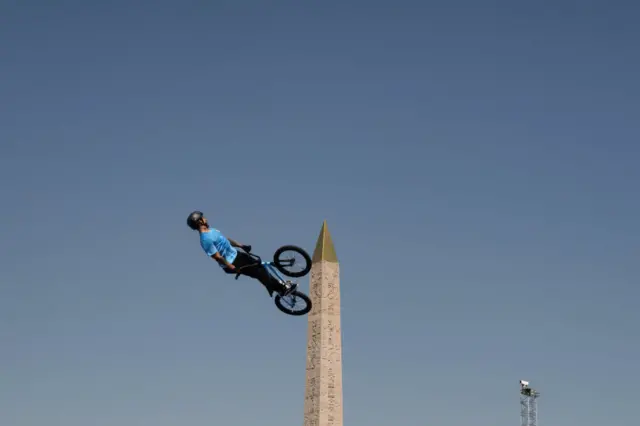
288, 288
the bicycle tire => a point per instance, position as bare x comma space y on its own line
288, 311
281, 267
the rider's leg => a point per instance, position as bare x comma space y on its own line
271, 283
267, 280
258, 272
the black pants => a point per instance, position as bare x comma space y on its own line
258, 271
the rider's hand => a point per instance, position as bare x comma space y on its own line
247, 248
231, 267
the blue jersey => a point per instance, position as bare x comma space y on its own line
213, 242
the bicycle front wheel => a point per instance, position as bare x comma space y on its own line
292, 261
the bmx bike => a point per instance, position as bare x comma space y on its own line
287, 302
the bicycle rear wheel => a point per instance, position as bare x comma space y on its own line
296, 303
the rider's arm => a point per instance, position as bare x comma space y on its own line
213, 253
234, 243
244, 247
221, 260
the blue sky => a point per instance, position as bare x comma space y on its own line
477, 163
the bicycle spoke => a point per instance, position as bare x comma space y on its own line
291, 260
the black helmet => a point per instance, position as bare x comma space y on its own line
194, 220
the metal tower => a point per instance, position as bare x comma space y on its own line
528, 404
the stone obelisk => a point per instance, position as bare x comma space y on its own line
323, 392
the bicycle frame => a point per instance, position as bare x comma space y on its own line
273, 271
286, 298
265, 264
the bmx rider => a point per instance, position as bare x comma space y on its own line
223, 250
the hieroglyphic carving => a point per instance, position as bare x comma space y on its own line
323, 394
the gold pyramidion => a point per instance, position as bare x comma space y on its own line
324, 247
